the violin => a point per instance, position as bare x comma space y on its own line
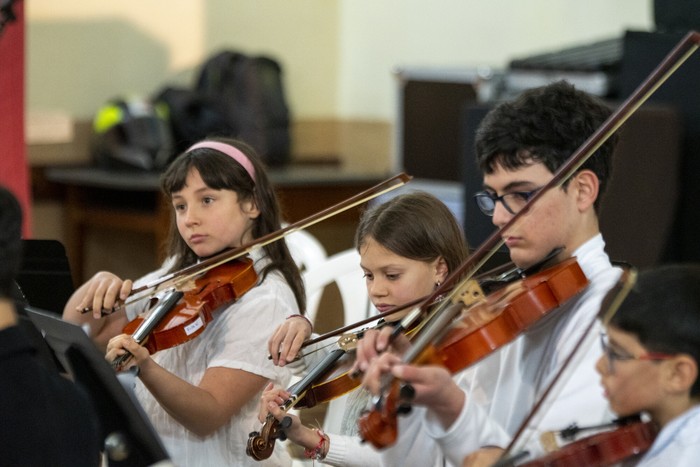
482, 328
602, 449
183, 314
508, 312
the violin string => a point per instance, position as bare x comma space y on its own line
317, 349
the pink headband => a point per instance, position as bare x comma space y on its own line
232, 152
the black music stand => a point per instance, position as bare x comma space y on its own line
44, 278
129, 437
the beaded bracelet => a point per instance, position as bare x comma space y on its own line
304, 317
319, 452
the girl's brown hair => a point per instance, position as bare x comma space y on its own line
417, 226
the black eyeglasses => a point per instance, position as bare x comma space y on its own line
514, 202
613, 355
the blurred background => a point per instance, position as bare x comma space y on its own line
366, 82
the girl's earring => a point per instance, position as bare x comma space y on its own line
440, 297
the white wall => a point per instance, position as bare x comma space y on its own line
82, 53
377, 36
337, 54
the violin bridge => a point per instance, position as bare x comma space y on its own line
348, 341
469, 293
548, 440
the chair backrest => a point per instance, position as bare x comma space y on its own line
306, 250
344, 269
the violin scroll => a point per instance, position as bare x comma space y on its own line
380, 426
261, 443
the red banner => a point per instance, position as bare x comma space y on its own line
14, 171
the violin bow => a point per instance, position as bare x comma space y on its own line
494, 277
680, 53
178, 278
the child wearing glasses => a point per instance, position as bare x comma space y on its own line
650, 362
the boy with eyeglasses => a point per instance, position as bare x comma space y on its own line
473, 417
651, 351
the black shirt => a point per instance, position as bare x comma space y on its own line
45, 418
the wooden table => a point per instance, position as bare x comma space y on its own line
132, 201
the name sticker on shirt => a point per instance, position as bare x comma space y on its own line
194, 326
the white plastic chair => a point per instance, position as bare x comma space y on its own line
306, 250
308, 253
344, 269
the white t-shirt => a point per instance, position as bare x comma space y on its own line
678, 444
236, 338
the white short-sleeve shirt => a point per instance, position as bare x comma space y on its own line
236, 338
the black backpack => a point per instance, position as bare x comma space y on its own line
238, 96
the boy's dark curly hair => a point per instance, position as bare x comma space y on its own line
546, 125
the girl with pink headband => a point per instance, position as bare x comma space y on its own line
202, 396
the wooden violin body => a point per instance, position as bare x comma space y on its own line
602, 449
193, 311
506, 313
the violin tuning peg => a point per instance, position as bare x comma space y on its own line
253, 434
404, 409
407, 392
286, 423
